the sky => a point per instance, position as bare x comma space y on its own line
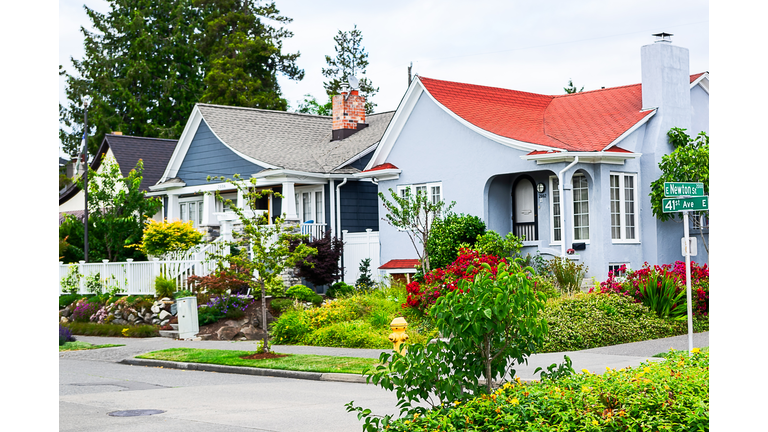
521, 45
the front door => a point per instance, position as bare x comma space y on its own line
524, 210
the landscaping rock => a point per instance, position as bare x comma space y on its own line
65, 312
64, 320
227, 332
250, 332
257, 318
164, 314
207, 336
131, 317
156, 308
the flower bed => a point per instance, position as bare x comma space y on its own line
669, 395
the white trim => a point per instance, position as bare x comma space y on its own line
702, 81
312, 190
612, 158
552, 241
385, 174
626, 133
573, 212
185, 140
358, 156
622, 202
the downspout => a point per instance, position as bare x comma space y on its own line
340, 234
561, 189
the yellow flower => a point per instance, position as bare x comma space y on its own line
585, 389
416, 415
594, 422
695, 351
586, 371
647, 369
456, 403
514, 401
125, 332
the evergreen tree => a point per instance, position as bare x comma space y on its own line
351, 60
147, 64
570, 88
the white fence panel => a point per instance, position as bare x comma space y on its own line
357, 247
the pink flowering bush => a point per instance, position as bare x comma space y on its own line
84, 310
634, 283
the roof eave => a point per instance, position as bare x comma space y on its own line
379, 175
629, 131
613, 158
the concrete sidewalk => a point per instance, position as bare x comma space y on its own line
596, 360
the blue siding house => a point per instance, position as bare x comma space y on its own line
311, 160
570, 173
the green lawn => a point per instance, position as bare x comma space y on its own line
295, 362
79, 345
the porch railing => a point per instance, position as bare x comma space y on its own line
315, 230
526, 231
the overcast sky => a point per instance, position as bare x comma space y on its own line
522, 45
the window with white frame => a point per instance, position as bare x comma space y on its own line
554, 204
623, 191
310, 204
433, 191
221, 205
191, 209
580, 207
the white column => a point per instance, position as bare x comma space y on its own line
209, 206
332, 200
173, 207
289, 202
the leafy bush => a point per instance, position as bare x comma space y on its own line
340, 289
65, 335
290, 327
670, 395
493, 320
545, 285
233, 280
162, 237
323, 268
68, 299
281, 304
164, 287
229, 306
93, 329
348, 334
492, 243
94, 284
300, 293
448, 234
568, 275
596, 320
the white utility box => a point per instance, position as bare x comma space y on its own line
187, 314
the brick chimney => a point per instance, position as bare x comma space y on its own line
348, 113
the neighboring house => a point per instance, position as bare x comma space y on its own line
310, 160
565, 172
126, 151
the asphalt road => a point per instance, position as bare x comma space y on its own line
92, 384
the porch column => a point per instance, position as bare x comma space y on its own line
289, 202
209, 206
173, 207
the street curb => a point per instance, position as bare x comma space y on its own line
203, 367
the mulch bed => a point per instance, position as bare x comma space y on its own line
263, 356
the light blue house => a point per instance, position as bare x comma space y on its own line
569, 173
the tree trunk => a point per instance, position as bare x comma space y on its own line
487, 356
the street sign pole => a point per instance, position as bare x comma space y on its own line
688, 280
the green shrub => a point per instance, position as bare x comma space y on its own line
164, 287
447, 234
568, 275
71, 282
672, 395
282, 304
316, 299
208, 315
290, 327
597, 320
545, 285
94, 329
340, 289
67, 299
300, 293
364, 282
348, 334
492, 243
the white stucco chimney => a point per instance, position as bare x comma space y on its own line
666, 80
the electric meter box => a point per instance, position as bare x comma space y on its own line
187, 314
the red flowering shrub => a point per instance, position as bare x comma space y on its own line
442, 280
630, 283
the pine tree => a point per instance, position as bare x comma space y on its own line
351, 60
570, 88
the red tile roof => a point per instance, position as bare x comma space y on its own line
400, 264
382, 167
586, 121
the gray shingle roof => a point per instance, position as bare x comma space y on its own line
154, 153
288, 140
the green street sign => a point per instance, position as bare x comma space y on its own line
673, 205
676, 189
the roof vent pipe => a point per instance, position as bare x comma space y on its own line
561, 190
663, 37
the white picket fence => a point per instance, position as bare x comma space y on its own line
139, 277
357, 247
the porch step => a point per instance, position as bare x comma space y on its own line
173, 334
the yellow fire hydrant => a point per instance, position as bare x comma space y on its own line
398, 336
